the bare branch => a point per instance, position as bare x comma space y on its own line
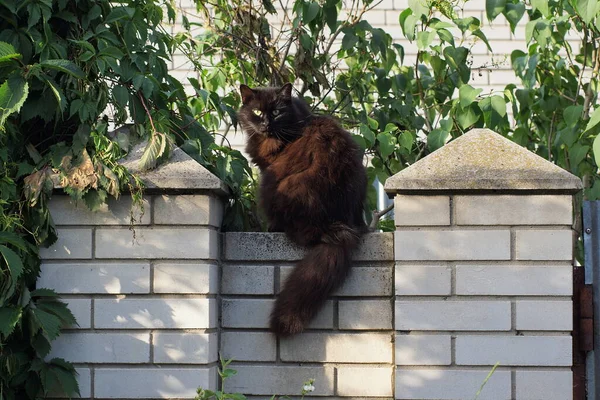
377, 216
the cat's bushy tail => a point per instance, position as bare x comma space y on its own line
323, 269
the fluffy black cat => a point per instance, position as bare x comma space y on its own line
313, 187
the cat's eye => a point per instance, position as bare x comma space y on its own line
275, 112
257, 112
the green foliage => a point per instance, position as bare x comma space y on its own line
401, 109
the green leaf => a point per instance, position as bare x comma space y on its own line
572, 115
587, 9
514, 13
156, 148
43, 292
14, 264
121, 95
577, 154
467, 117
310, 12
57, 92
424, 39
349, 41
373, 124
119, 13
596, 149
49, 323
406, 140
542, 6
482, 36
408, 22
493, 8
468, 23
9, 318
59, 309
367, 134
594, 119
386, 144
94, 199
467, 95
64, 66
7, 52
437, 138
419, 7
13, 94
269, 6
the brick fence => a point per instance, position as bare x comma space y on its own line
477, 272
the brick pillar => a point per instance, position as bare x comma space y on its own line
145, 299
483, 249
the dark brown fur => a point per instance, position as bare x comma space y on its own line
312, 188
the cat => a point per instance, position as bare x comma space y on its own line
312, 187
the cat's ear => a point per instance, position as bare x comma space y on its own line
286, 92
247, 93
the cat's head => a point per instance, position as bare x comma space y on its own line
270, 112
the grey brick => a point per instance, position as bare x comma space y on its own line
365, 314
152, 313
196, 278
423, 350
252, 246
65, 211
451, 384
423, 280
338, 347
185, 347
94, 277
248, 346
442, 315
152, 383
248, 279
157, 243
421, 210
540, 244
514, 350
188, 210
513, 210
280, 380
72, 243
452, 245
88, 347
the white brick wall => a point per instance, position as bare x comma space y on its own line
145, 300
423, 350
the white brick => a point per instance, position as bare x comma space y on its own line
188, 210
514, 350
541, 244
337, 347
544, 385
513, 210
514, 280
71, 243
193, 278
248, 279
248, 346
423, 350
544, 315
280, 380
365, 381
451, 384
82, 311
158, 243
452, 245
185, 348
65, 211
152, 383
445, 315
254, 313
95, 277
423, 280
362, 281
421, 210
86, 347
365, 314
155, 313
